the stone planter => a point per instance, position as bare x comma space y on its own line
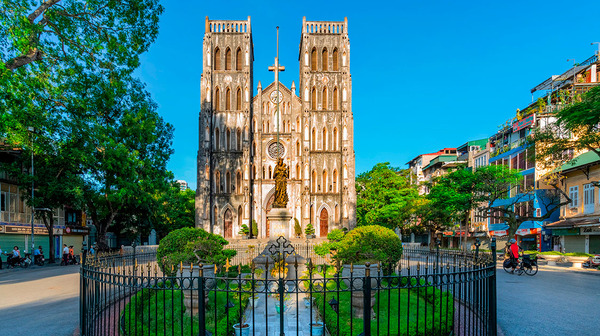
243, 330
189, 280
577, 261
317, 328
312, 236
552, 259
356, 283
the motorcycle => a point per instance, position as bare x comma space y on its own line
592, 262
40, 260
23, 262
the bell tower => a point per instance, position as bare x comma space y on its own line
223, 195
328, 124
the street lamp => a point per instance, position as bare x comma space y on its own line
31, 130
598, 43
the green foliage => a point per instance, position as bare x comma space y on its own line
309, 230
187, 245
385, 197
170, 315
334, 237
370, 243
254, 228
244, 230
175, 209
297, 227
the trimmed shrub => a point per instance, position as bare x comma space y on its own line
297, 227
310, 230
334, 237
254, 228
373, 243
186, 245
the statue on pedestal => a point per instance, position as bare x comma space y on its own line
281, 175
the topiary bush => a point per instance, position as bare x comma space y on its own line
334, 237
191, 245
373, 243
254, 229
297, 227
310, 230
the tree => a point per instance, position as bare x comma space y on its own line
576, 130
46, 47
124, 149
385, 197
175, 210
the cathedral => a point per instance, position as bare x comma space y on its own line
241, 135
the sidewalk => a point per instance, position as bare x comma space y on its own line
565, 267
6, 270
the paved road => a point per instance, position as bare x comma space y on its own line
39, 301
553, 302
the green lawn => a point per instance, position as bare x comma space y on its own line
397, 312
162, 312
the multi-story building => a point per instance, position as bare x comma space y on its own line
241, 137
183, 185
15, 217
578, 229
417, 165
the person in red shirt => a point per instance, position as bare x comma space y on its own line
513, 252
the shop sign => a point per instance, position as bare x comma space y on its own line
479, 234
590, 230
565, 232
449, 233
519, 125
57, 232
76, 230
524, 232
499, 233
25, 230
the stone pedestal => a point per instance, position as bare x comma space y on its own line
279, 219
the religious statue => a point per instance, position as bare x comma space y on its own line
281, 175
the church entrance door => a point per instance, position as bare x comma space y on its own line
324, 227
227, 229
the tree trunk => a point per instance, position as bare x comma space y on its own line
49, 222
101, 237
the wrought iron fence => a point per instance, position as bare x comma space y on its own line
435, 292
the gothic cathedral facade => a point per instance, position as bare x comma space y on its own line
238, 146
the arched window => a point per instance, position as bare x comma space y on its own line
313, 140
345, 171
313, 99
254, 172
314, 181
337, 213
217, 99
324, 138
270, 173
238, 99
324, 100
253, 148
217, 139
298, 148
218, 182
268, 127
263, 175
335, 99
239, 139
217, 59
335, 139
324, 60
238, 59
228, 59
207, 171
215, 216
298, 171
313, 60
238, 183
334, 181
324, 181
335, 60
207, 134
227, 139
227, 182
239, 215
228, 99
297, 124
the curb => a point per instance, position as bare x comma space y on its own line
563, 268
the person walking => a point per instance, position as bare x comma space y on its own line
65, 254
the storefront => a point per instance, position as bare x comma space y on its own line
530, 239
18, 234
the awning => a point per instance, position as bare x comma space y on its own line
574, 222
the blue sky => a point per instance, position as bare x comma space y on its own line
425, 74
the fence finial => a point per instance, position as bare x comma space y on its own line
201, 269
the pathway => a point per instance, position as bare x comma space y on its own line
267, 321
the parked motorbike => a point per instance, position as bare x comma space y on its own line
592, 262
40, 260
23, 262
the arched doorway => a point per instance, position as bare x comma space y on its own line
324, 225
227, 226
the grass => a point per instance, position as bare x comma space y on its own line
162, 312
398, 311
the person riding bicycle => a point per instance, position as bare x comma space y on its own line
513, 253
